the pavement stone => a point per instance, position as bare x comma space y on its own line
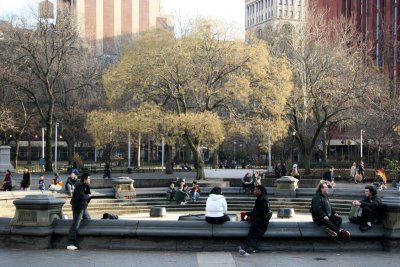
106, 258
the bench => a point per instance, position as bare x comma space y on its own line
194, 235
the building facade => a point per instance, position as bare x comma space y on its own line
261, 14
110, 24
378, 23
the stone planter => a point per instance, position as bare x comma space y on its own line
123, 187
286, 186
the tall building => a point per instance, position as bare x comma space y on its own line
262, 14
378, 22
110, 24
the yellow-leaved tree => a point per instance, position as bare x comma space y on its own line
198, 81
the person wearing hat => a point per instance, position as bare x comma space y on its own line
56, 183
295, 172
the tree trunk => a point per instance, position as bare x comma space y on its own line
70, 152
49, 147
29, 156
16, 153
215, 158
199, 164
168, 160
307, 162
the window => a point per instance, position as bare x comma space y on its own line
291, 14
299, 2
280, 13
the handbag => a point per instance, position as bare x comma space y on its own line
355, 214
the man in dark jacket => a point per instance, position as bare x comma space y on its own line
259, 218
371, 206
80, 200
323, 213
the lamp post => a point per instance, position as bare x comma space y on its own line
43, 142
269, 154
55, 145
234, 150
293, 136
361, 143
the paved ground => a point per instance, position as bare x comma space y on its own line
105, 258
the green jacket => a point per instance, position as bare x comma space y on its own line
320, 206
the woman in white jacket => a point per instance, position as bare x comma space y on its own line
216, 207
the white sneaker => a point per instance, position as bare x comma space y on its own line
72, 247
183, 203
242, 252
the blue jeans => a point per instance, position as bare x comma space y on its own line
76, 222
194, 196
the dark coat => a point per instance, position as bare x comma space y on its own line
26, 180
80, 198
374, 203
320, 206
260, 210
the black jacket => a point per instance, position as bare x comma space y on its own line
80, 198
320, 206
26, 180
374, 203
260, 211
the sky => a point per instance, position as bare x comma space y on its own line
229, 11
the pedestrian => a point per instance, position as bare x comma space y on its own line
41, 183
259, 219
80, 200
398, 179
26, 180
107, 171
353, 172
361, 171
195, 191
327, 177
7, 181
323, 213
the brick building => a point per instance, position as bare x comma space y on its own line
378, 22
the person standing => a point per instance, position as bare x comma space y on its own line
323, 213
80, 200
41, 184
259, 218
7, 181
370, 205
361, 171
107, 171
216, 207
353, 172
26, 180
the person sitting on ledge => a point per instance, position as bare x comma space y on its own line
109, 216
327, 177
216, 207
195, 191
171, 191
323, 213
56, 183
371, 205
181, 196
247, 183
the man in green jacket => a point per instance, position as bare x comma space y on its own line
323, 213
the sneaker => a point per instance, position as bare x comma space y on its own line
242, 252
344, 233
72, 247
183, 203
330, 232
364, 228
252, 250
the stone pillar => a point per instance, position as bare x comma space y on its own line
37, 210
123, 187
391, 223
286, 186
5, 163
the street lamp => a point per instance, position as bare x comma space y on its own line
361, 143
293, 136
55, 145
234, 150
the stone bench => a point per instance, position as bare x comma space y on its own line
191, 235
